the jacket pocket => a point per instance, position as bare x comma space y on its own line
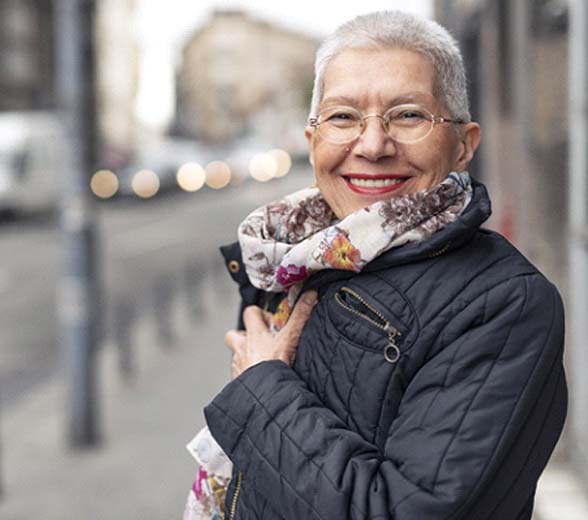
366, 322
351, 301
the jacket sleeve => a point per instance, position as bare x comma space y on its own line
475, 428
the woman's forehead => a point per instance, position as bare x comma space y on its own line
384, 76
389, 99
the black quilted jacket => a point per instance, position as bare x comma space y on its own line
428, 387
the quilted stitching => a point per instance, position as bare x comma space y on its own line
314, 434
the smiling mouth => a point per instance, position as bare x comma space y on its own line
373, 184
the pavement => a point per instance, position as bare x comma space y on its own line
141, 469
561, 494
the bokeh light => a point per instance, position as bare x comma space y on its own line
263, 167
145, 183
191, 177
283, 162
104, 184
218, 174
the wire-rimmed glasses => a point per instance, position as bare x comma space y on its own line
403, 123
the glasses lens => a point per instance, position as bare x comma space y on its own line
408, 123
339, 124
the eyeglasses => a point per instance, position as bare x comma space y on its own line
402, 123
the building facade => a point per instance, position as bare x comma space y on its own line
242, 76
117, 67
27, 71
528, 62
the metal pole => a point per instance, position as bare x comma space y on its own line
519, 12
578, 226
77, 290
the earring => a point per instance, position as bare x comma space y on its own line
347, 149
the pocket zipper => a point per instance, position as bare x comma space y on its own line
391, 352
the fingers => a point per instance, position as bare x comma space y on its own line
301, 313
268, 317
233, 338
254, 318
257, 320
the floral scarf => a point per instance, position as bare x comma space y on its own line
285, 242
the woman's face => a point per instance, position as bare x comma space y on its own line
373, 167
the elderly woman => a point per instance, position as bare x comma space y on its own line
411, 368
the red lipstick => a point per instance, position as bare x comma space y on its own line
374, 190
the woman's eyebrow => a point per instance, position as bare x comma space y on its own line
345, 100
408, 97
411, 97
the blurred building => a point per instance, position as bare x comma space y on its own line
117, 63
27, 71
242, 76
27, 65
518, 55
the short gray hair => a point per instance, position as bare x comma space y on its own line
397, 29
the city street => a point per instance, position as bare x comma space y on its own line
150, 253
168, 302
113, 317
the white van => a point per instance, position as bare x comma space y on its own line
31, 151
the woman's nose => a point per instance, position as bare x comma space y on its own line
374, 142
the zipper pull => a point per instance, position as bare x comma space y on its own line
392, 352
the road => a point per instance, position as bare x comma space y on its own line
151, 252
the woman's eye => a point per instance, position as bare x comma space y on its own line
406, 116
341, 119
342, 116
410, 114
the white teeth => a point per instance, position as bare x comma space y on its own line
374, 183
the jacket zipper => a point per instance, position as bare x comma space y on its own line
439, 252
235, 496
373, 316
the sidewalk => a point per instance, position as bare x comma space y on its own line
142, 471
561, 495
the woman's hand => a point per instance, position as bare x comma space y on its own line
257, 343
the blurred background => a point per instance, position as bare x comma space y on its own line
134, 137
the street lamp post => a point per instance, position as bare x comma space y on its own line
578, 225
77, 289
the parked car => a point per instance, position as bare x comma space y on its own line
30, 157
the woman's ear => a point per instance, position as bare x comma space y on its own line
308, 134
469, 139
